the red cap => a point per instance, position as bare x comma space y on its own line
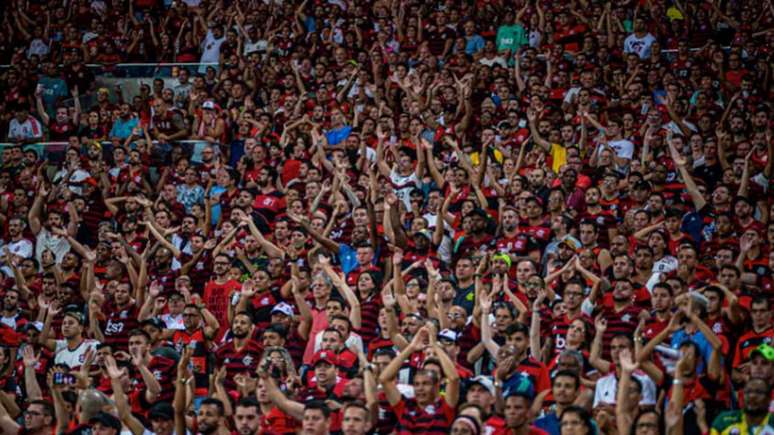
325, 356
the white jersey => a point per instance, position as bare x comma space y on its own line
73, 358
639, 46
404, 185
608, 385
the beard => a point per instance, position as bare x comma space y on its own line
207, 429
239, 335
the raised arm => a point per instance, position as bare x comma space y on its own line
120, 399
595, 357
690, 185
388, 376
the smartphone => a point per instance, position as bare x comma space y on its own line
63, 379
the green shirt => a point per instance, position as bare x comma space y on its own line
511, 37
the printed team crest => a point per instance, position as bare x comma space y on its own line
247, 360
430, 409
626, 318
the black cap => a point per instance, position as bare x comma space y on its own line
161, 410
155, 322
478, 211
108, 420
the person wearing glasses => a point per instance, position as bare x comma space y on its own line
39, 419
754, 418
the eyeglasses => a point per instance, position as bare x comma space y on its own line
33, 413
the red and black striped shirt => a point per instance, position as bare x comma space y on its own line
434, 419
243, 360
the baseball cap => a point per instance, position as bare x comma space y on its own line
37, 326
283, 308
572, 242
485, 382
77, 315
521, 386
325, 356
447, 334
424, 233
208, 105
155, 322
108, 420
161, 410
765, 350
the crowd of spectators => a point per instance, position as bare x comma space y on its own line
388, 217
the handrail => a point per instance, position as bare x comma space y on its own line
55, 150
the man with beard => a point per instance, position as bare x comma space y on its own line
428, 412
121, 317
269, 202
574, 196
754, 418
621, 316
134, 172
211, 418
246, 417
125, 123
39, 419
45, 238
61, 127
477, 238
198, 337
240, 354
511, 241
168, 123
16, 244
219, 290
11, 315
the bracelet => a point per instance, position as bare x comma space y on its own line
677, 382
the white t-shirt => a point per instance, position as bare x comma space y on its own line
211, 48
173, 322
29, 129
20, 248
353, 339
73, 358
403, 186
623, 148
607, 386
639, 46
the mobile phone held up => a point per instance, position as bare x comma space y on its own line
63, 379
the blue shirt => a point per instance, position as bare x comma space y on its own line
123, 129
473, 44
549, 423
338, 135
53, 88
705, 349
347, 258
